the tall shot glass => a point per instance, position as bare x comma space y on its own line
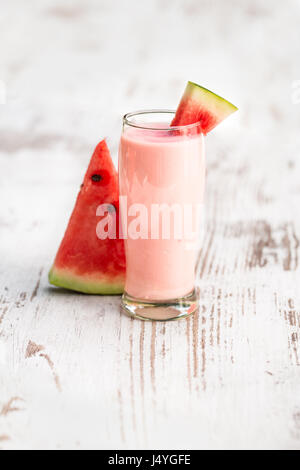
161, 180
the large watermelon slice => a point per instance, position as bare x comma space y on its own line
201, 105
85, 263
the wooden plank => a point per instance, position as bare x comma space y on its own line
75, 372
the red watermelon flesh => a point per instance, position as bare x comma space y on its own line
201, 105
85, 263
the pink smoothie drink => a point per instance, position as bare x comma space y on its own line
161, 167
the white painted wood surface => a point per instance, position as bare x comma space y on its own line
76, 373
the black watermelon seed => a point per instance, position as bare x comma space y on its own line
97, 178
111, 208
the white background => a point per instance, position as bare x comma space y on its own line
74, 372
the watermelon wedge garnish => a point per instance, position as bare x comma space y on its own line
84, 262
201, 105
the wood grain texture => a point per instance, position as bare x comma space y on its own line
76, 373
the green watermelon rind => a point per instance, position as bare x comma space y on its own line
69, 280
215, 103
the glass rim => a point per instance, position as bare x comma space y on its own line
127, 116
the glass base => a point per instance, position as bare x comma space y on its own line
165, 310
